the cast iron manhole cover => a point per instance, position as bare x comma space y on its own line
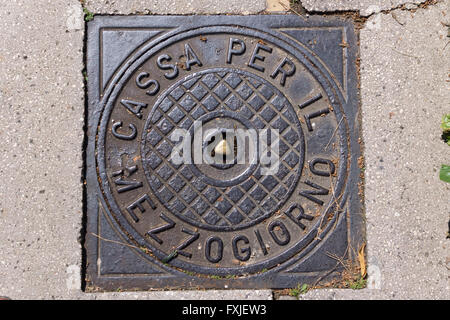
222, 151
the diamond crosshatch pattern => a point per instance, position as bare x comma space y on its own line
184, 193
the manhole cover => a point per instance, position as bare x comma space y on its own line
222, 151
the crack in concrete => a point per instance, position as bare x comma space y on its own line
359, 18
408, 6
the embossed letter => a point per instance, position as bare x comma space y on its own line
147, 84
159, 62
232, 51
246, 250
284, 73
208, 245
129, 184
284, 233
316, 114
301, 215
134, 107
331, 166
321, 191
138, 204
187, 242
191, 57
261, 242
118, 124
255, 56
310, 101
170, 224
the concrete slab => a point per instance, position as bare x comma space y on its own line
405, 92
365, 7
277, 5
42, 119
175, 6
242, 295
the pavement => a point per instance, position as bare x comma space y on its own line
364, 7
404, 93
404, 73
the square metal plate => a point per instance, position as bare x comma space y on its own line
278, 218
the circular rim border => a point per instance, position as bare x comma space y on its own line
303, 56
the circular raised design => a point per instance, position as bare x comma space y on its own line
222, 218
228, 201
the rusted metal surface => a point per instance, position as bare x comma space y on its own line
154, 222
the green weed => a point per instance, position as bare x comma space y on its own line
444, 173
357, 284
88, 16
300, 289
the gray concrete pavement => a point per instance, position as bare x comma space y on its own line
405, 91
41, 59
175, 6
365, 7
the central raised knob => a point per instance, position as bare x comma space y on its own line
222, 148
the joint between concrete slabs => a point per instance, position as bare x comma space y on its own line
365, 8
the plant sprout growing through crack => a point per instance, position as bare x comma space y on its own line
444, 173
